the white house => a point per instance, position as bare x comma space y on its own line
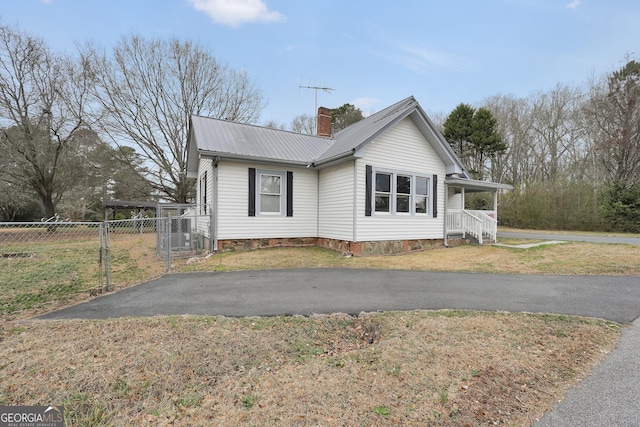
386, 184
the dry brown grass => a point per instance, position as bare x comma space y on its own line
409, 368
567, 258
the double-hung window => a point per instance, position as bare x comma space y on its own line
383, 192
422, 194
399, 193
403, 193
270, 192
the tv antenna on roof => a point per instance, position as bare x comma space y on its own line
316, 89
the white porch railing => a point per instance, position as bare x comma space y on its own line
489, 223
476, 223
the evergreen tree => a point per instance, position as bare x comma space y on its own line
458, 129
473, 135
344, 116
485, 141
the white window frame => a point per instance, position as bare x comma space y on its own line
283, 197
388, 194
427, 196
410, 194
393, 195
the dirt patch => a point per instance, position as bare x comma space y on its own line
410, 368
11, 255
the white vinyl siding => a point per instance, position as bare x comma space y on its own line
455, 200
205, 180
234, 222
335, 216
402, 148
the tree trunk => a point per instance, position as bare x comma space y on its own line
49, 208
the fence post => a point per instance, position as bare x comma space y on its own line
168, 240
101, 267
107, 257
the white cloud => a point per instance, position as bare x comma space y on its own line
366, 104
424, 60
236, 12
574, 4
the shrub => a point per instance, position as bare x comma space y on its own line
621, 207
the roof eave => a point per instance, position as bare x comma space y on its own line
254, 159
477, 185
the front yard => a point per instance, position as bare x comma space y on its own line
397, 368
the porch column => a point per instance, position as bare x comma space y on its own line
464, 233
446, 197
495, 204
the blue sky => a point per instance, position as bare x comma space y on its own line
373, 53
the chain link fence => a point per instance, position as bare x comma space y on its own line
44, 265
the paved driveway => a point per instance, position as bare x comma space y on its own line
571, 237
307, 291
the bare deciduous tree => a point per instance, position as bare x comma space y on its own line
557, 129
272, 124
43, 103
149, 89
514, 126
614, 109
304, 124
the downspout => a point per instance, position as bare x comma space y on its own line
355, 202
214, 209
317, 203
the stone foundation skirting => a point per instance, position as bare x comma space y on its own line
384, 247
237, 245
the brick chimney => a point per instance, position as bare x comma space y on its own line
324, 122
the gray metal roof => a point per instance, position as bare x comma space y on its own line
221, 137
235, 140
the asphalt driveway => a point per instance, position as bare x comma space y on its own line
571, 237
307, 291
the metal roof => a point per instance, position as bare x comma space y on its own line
241, 141
223, 137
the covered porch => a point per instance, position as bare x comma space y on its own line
481, 225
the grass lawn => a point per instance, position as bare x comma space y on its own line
398, 368
568, 258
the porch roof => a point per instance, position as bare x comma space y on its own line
473, 185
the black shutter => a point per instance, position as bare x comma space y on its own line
368, 190
289, 193
435, 196
252, 191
